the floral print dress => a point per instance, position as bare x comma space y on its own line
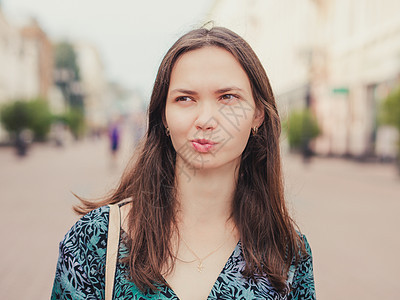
80, 270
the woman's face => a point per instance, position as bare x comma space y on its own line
210, 109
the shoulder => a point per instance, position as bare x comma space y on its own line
82, 256
301, 276
92, 223
304, 252
305, 264
88, 232
307, 246
96, 217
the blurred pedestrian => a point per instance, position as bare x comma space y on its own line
114, 134
202, 209
306, 150
23, 139
59, 132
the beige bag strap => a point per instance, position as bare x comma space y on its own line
114, 228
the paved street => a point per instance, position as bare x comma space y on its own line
36, 203
349, 212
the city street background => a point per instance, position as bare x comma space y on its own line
82, 70
348, 211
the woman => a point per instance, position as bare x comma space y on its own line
206, 216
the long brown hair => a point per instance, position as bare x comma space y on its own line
268, 236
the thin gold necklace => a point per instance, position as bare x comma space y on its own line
200, 266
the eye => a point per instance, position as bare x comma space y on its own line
183, 99
229, 98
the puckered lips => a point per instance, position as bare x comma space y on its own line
203, 145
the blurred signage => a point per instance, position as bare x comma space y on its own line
340, 90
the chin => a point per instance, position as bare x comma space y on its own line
213, 165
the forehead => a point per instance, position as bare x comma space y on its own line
208, 65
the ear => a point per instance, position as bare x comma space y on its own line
258, 117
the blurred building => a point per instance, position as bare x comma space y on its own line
36, 39
94, 85
282, 34
29, 70
360, 45
338, 57
26, 62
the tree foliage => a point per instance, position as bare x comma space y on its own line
15, 116
302, 127
389, 114
75, 120
66, 58
390, 109
42, 118
35, 115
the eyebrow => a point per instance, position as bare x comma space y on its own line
228, 89
184, 91
219, 91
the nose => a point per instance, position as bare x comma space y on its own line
206, 117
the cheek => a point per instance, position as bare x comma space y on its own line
239, 115
238, 131
179, 125
238, 120
242, 139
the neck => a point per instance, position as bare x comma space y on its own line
205, 196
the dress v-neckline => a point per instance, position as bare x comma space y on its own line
237, 247
171, 291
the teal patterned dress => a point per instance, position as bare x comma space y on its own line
80, 270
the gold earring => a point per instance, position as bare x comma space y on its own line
167, 131
254, 129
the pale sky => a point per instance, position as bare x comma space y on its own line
132, 36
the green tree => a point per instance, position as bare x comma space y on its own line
390, 109
389, 114
41, 118
65, 58
15, 116
35, 115
75, 120
301, 128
